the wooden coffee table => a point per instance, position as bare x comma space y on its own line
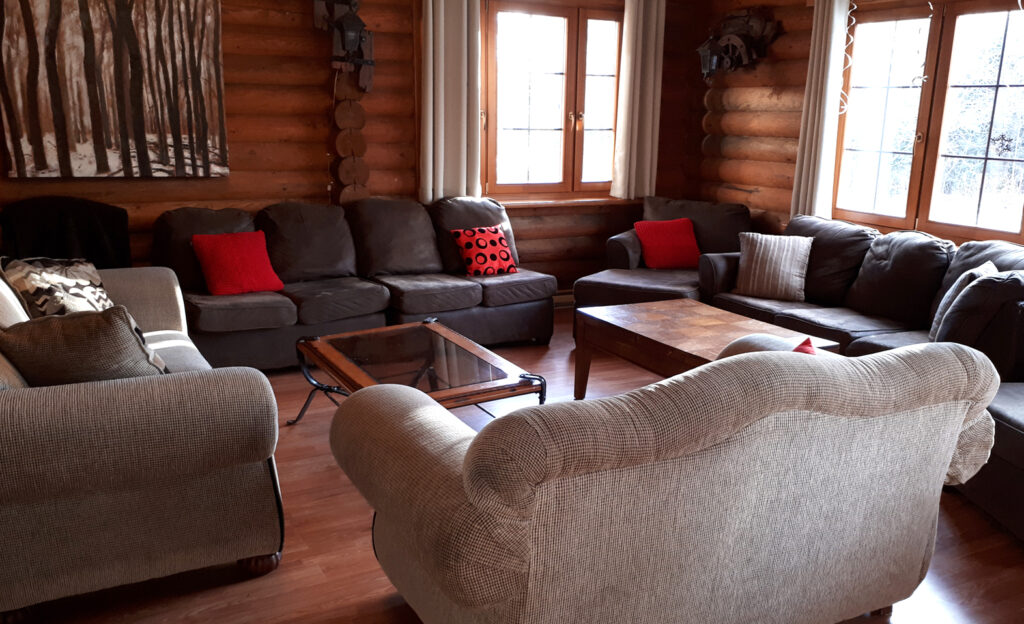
665, 337
450, 368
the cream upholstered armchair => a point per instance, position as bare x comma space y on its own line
767, 487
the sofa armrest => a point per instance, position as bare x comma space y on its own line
717, 273
151, 295
624, 251
104, 435
404, 453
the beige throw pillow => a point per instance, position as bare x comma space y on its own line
79, 347
773, 267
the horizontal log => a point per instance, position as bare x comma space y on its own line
791, 46
398, 103
284, 128
314, 44
393, 182
755, 99
560, 207
753, 124
393, 18
795, 17
257, 16
284, 6
724, 6
770, 149
270, 156
391, 155
767, 73
275, 70
763, 198
350, 143
387, 76
141, 246
748, 172
580, 247
274, 100
567, 226
142, 215
390, 130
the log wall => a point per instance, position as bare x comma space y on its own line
752, 116
278, 101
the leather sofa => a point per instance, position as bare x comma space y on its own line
108, 483
872, 292
766, 487
367, 264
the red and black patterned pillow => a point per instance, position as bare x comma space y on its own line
484, 251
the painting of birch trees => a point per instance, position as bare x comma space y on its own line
112, 88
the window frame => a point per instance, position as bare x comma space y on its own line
576, 14
929, 122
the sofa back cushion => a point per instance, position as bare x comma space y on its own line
459, 213
172, 239
836, 255
900, 275
717, 226
1006, 256
393, 236
308, 241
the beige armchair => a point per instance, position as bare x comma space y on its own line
766, 487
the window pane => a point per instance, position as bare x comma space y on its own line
531, 97
602, 47
881, 116
600, 100
598, 151
984, 122
600, 103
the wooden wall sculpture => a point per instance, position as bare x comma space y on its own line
752, 121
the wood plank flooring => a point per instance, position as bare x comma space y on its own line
328, 573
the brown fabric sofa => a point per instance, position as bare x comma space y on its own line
767, 487
115, 482
872, 293
366, 264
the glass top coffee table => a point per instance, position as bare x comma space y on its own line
450, 368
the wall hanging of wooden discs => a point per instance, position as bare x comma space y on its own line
352, 60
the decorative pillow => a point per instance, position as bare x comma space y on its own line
235, 263
977, 305
12, 308
48, 286
962, 282
484, 251
79, 347
806, 347
668, 244
773, 267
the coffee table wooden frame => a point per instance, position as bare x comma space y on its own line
665, 337
319, 351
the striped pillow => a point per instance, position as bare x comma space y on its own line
773, 267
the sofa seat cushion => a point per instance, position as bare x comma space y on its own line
756, 307
1007, 409
518, 287
885, 342
177, 351
260, 310
322, 301
431, 292
842, 325
617, 286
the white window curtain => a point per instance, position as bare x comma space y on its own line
450, 124
635, 167
813, 183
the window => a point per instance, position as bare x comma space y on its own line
552, 86
933, 134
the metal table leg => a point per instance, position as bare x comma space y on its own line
317, 386
543, 384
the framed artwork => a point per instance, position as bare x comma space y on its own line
112, 88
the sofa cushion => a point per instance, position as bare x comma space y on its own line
884, 342
966, 279
900, 275
836, 255
308, 241
617, 286
433, 292
261, 310
1007, 408
842, 325
773, 267
1006, 256
518, 287
235, 263
172, 239
717, 226
176, 350
393, 237
79, 347
48, 286
756, 307
975, 307
456, 213
322, 301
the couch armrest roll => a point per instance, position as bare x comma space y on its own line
717, 273
151, 295
624, 251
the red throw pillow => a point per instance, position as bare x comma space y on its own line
235, 263
806, 347
668, 244
485, 251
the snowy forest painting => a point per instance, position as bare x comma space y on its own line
112, 88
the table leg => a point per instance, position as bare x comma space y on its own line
317, 386
583, 354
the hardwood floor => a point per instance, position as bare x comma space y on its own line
329, 575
